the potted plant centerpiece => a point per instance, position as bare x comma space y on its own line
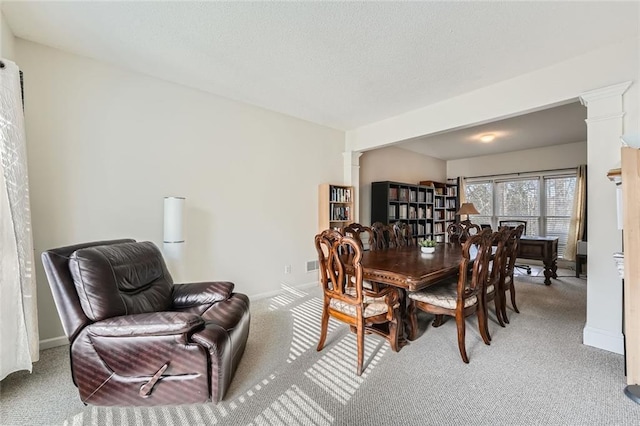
427, 246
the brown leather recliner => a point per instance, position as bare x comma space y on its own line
138, 339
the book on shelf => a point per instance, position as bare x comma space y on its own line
340, 213
393, 194
392, 212
340, 195
404, 194
402, 211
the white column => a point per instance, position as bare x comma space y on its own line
352, 177
605, 113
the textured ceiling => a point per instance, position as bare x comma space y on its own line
554, 126
341, 64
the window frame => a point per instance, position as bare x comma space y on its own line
541, 176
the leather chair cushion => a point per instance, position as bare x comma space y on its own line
151, 324
121, 279
204, 293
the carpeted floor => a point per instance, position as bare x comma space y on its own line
536, 371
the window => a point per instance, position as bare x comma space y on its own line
481, 195
543, 200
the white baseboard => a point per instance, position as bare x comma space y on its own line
603, 339
53, 342
283, 287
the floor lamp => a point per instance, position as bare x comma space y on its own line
173, 238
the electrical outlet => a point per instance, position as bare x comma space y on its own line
287, 269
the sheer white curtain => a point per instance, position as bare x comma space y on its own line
18, 309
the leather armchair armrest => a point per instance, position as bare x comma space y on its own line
204, 293
149, 324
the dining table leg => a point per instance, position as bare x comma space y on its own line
404, 319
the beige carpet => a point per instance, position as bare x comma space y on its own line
536, 371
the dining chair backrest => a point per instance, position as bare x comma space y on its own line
499, 262
384, 236
323, 243
470, 229
513, 224
477, 253
455, 232
336, 268
512, 243
380, 240
403, 234
360, 233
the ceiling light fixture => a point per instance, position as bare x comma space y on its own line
489, 137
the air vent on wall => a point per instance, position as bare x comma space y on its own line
312, 265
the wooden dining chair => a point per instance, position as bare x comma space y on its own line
384, 236
403, 234
513, 224
497, 267
365, 311
459, 297
361, 233
455, 232
506, 281
469, 229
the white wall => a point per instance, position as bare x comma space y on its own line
398, 165
530, 160
555, 85
106, 145
7, 40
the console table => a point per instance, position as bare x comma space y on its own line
544, 249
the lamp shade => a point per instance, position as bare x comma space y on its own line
174, 219
467, 208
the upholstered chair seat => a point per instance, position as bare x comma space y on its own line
444, 295
373, 305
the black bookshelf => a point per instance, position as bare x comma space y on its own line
402, 202
428, 208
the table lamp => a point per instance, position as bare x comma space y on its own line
467, 208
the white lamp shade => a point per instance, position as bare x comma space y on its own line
174, 219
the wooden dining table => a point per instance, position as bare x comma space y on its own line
408, 268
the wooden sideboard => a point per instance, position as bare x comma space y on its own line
544, 249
